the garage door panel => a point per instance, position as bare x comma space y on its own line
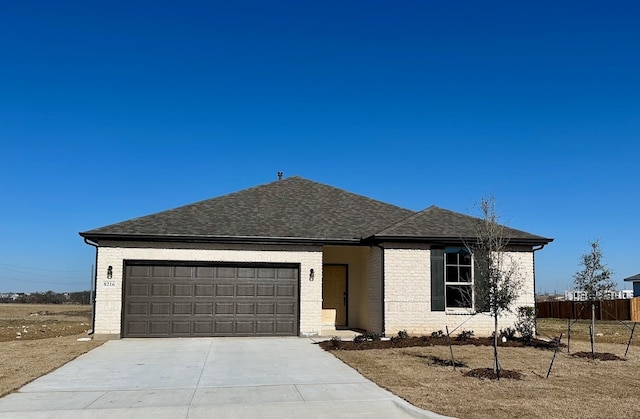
203, 308
138, 290
265, 327
204, 272
203, 290
204, 328
286, 291
288, 273
224, 290
183, 272
245, 327
266, 290
160, 308
245, 309
181, 328
161, 272
183, 290
137, 328
246, 273
139, 272
224, 308
266, 273
135, 308
245, 290
285, 309
166, 301
225, 272
285, 327
223, 327
159, 327
182, 308
265, 309
160, 290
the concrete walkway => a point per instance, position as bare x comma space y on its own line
206, 378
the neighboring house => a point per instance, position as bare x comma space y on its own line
579, 295
292, 257
636, 284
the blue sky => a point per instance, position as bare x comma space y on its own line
114, 110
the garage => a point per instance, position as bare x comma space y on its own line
196, 299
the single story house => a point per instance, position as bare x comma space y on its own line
292, 257
635, 279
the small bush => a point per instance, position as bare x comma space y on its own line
526, 323
402, 334
360, 338
464, 335
366, 336
438, 334
508, 333
336, 342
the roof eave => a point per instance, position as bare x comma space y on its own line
97, 237
537, 241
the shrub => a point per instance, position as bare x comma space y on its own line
402, 334
526, 323
372, 336
360, 338
464, 335
509, 333
438, 334
336, 342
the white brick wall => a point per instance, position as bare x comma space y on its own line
407, 290
408, 294
109, 291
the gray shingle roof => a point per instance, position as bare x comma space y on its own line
439, 224
289, 208
296, 209
635, 277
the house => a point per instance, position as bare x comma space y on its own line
581, 295
635, 279
292, 257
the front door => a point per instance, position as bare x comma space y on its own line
334, 295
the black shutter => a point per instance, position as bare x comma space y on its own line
437, 280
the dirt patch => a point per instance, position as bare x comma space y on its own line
490, 374
600, 356
36, 339
423, 375
41, 321
423, 341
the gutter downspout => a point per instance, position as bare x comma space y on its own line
95, 287
534, 289
534, 269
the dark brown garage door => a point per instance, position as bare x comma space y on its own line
214, 300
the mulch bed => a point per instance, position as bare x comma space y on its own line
601, 356
334, 344
489, 374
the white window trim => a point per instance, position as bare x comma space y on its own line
459, 310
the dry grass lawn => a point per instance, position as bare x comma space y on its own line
35, 339
576, 388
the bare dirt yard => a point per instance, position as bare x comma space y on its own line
35, 339
578, 387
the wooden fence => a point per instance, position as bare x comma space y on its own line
627, 309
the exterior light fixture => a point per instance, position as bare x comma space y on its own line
110, 272
312, 274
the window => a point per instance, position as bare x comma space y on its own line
458, 278
451, 279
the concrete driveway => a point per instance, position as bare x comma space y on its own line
206, 378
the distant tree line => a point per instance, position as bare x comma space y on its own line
48, 297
